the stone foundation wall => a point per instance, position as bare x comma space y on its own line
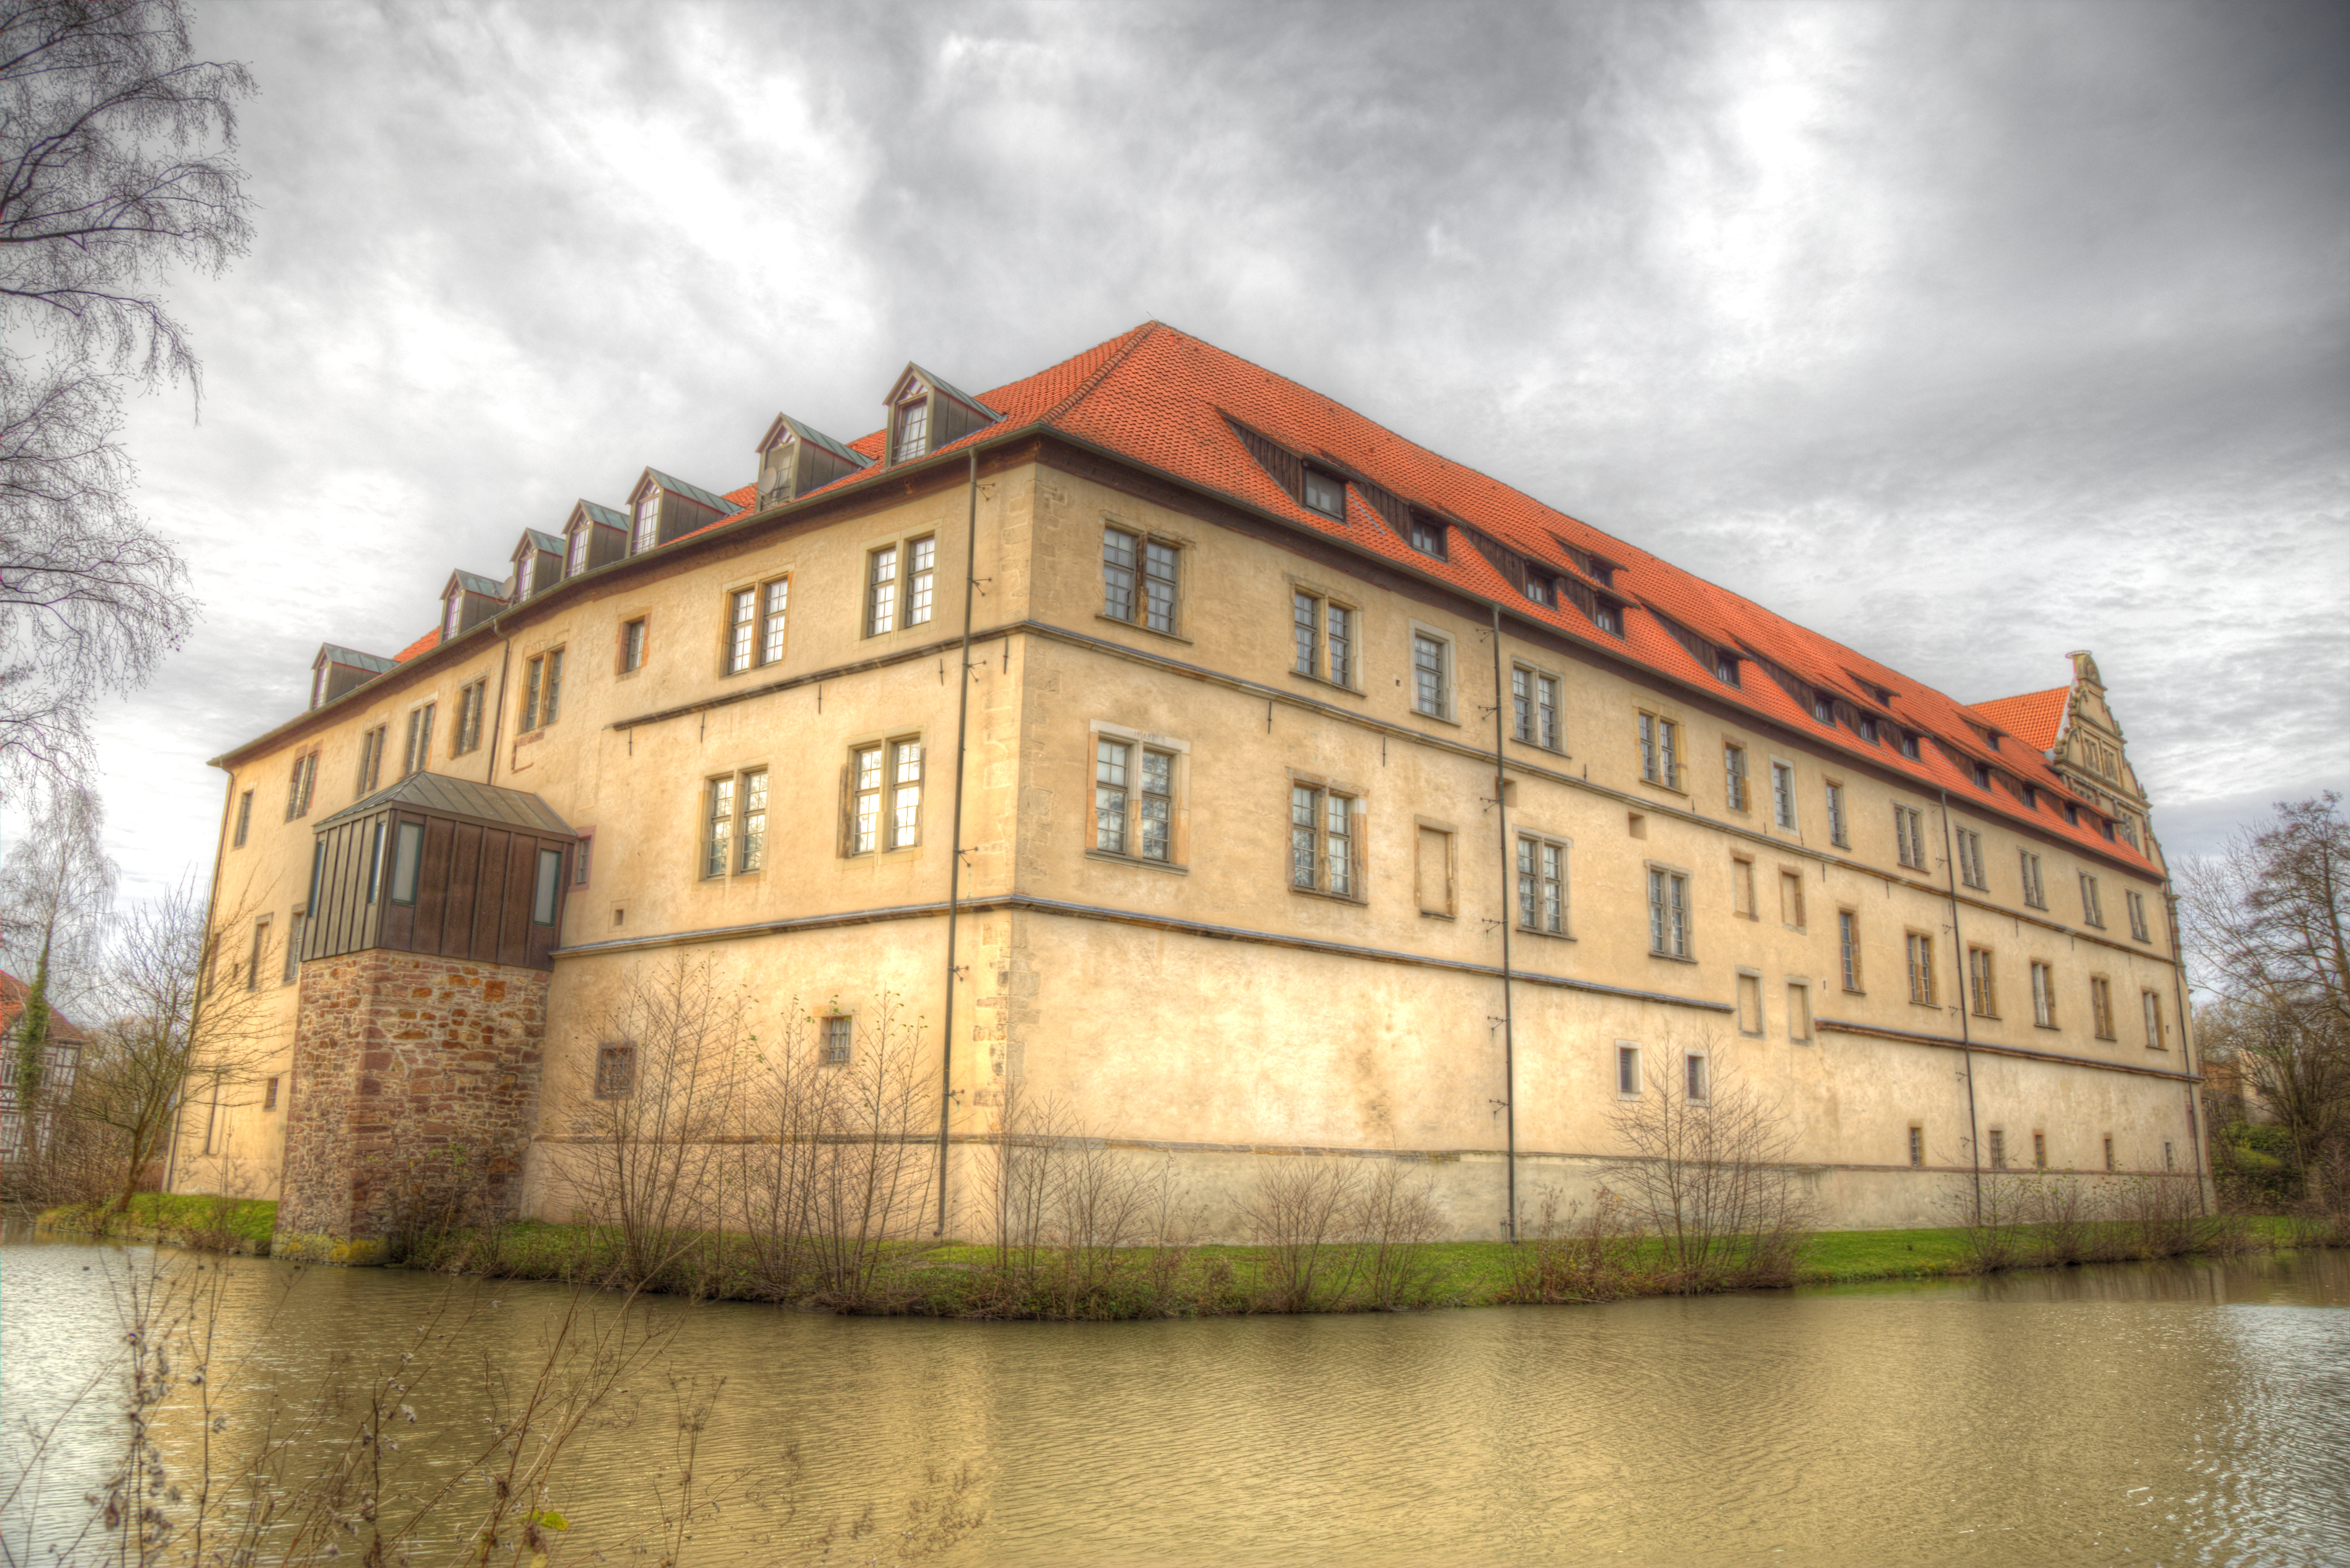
414, 1087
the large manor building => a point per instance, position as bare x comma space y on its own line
1316, 797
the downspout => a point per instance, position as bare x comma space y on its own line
1509, 1019
1959, 978
2186, 1039
954, 848
203, 972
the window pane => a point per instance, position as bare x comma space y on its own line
1428, 675
1303, 856
881, 609
719, 836
772, 648
923, 568
867, 818
913, 429
647, 521
1546, 710
1342, 645
1158, 571
550, 880
408, 855
744, 608
1340, 852
1553, 858
1306, 653
1529, 890
754, 853
1117, 574
554, 688
1158, 800
1522, 704
906, 798
1109, 796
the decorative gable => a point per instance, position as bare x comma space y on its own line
926, 414
796, 459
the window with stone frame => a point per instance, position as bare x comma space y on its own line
885, 804
2157, 1039
1970, 858
300, 786
243, 820
1534, 707
837, 1030
466, 737
2136, 902
1669, 913
260, 951
1431, 675
1848, 948
542, 690
615, 1071
296, 924
734, 823
632, 645
370, 762
1998, 1141
1836, 831
2093, 909
1982, 983
1733, 773
1325, 638
1659, 749
2101, 1006
1799, 1011
1909, 837
1922, 967
1134, 800
1541, 885
1782, 793
2035, 890
1140, 576
1325, 841
2043, 995
417, 751
754, 625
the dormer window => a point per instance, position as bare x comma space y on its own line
1540, 590
1609, 617
1725, 668
1868, 729
1428, 536
1983, 775
644, 529
1822, 708
1909, 747
911, 433
455, 613
2072, 815
1326, 493
2030, 798
1992, 736
524, 571
576, 561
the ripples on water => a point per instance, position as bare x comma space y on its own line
2176, 1413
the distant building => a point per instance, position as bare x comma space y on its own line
1235, 876
61, 1064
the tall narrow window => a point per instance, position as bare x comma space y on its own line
1836, 815
1922, 967
2136, 902
260, 951
2109, 1151
1159, 586
1848, 948
1750, 1004
1694, 1067
1782, 793
1118, 574
1791, 899
2035, 892
2101, 1006
449, 621
1669, 932
1627, 1071
1428, 686
865, 806
2038, 1151
549, 888
836, 1039
407, 861
551, 691
1340, 622
418, 748
576, 561
645, 528
243, 818
299, 786
2043, 995
1321, 840
1908, 837
1157, 805
1998, 1137
881, 591
296, 924
2092, 911
741, 628
1110, 769
718, 835
913, 431
468, 736
905, 794
771, 635
1741, 889
371, 761
1916, 1147
1983, 992
1306, 652
751, 843
1659, 763
632, 646
1542, 885
1799, 1011
2152, 1003
533, 674
922, 568
1734, 771
1970, 858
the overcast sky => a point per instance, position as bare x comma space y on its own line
1966, 334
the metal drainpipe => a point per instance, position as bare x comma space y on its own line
196, 1003
954, 849
1966, 1039
1509, 1016
2186, 1038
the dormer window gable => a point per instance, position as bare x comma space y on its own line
338, 670
467, 601
1429, 535
538, 564
796, 459
594, 536
1725, 668
1325, 493
1608, 615
926, 414
1541, 587
662, 508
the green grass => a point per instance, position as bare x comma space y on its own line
959, 1280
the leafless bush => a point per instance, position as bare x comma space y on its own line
1393, 1219
1711, 1178
667, 1090
2067, 1217
1578, 1256
1083, 1229
1298, 1213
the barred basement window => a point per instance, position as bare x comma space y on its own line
2038, 1151
886, 804
1669, 923
243, 819
2101, 1006
1133, 814
615, 1071
1971, 860
1542, 885
1322, 841
1922, 969
2035, 891
1982, 991
836, 1038
1534, 702
1836, 815
370, 762
1848, 948
2043, 995
470, 703
2093, 910
1430, 666
2136, 902
1659, 741
2167, 1162
2109, 1151
1908, 837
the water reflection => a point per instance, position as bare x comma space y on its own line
2155, 1412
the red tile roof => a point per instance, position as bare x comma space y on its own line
1160, 397
2036, 718
421, 646
13, 992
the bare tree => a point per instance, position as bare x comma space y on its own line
1710, 1174
185, 1027
116, 170
2271, 917
56, 887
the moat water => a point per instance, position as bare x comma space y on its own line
2151, 1413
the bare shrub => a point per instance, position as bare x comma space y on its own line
1578, 1256
1298, 1213
1393, 1219
1711, 1179
2066, 1216
1083, 1229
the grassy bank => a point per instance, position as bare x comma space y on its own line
962, 1281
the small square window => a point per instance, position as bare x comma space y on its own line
1428, 536
615, 1071
1725, 668
1326, 493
